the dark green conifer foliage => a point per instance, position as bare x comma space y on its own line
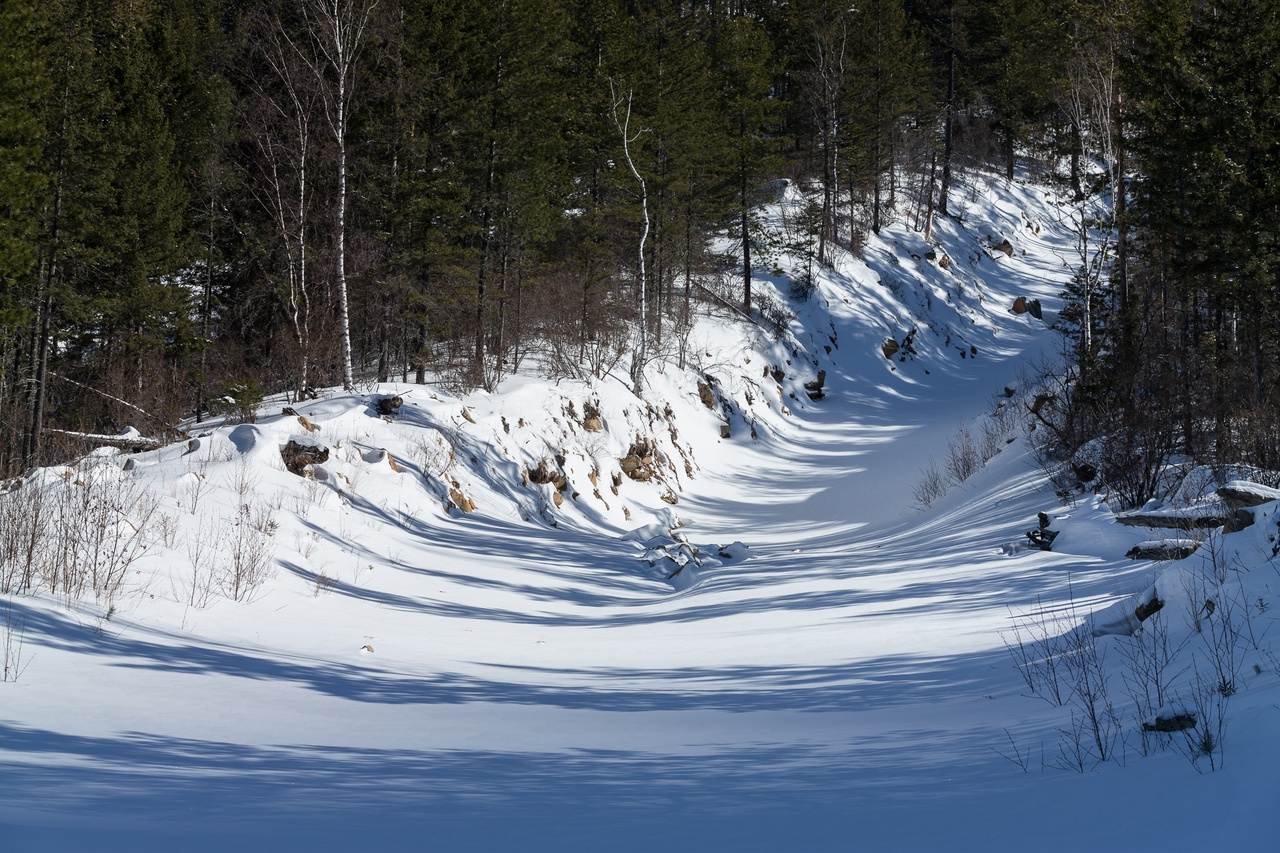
1015, 45
742, 56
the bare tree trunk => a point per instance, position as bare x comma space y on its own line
642, 353
948, 133
338, 27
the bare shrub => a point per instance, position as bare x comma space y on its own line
1037, 647
24, 519
1150, 657
998, 430
12, 634
931, 485
964, 458
97, 531
250, 541
199, 584
1086, 668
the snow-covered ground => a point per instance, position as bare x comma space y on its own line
766, 645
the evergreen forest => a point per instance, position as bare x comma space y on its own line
203, 202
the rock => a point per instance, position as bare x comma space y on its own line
889, 348
1003, 246
1242, 493
1034, 309
945, 262
461, 501
297, 456
1020, 305
725, 430
639, 463
706, 395
1085, 472
1173, 723
1237, 520
1148, 608
591, 420
814, 388
544, 475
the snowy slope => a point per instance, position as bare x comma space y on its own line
767, 645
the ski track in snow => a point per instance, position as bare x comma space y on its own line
845, 687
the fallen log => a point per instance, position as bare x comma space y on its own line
1172, 520
1163, 549
129, 442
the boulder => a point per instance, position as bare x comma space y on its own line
1239, 494
544, 475
298, 455
815, 388
706, 395
591, 420
1173, 722
639, 463
890, 348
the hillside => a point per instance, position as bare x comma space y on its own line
471, 628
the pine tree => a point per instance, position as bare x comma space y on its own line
743, 58
24, 85
1015, 48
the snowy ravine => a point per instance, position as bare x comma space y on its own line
766, 645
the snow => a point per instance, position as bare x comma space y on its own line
828, 668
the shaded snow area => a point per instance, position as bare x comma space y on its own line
560, 617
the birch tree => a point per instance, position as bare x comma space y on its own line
337, 29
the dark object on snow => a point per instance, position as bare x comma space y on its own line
1241, 494
544, 474
1034, 309
1148, 608
289, 410
1085, 472
1003, 246
889, 348
1163, 549
706, 395
1020, 305
298, 456
1042, 538
388, 405
1166, 521
1176, 723
814, 388
1237, 520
